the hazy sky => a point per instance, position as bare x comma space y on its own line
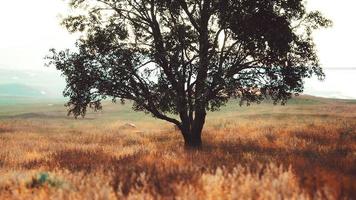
28, 28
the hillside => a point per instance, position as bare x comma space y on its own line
304, 150
19, 90
11, 105
27, 83
18, 94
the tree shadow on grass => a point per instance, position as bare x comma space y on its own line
6, 130
125, 172
314, 169
334, 168
77, 160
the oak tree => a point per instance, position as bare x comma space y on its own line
187, 57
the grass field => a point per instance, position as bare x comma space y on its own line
305, 150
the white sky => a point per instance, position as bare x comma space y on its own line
29, 28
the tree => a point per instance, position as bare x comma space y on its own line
187, 57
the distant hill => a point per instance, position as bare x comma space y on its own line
30, 86
19, 90
27, 83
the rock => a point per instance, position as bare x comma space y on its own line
128, 126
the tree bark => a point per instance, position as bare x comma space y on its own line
193, 141
192, 131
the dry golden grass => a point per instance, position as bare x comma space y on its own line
262, 152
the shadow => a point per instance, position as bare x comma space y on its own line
138, 170
314, 168
82, 160
125, 172
32, 116
74, 160
6, 130
41, 116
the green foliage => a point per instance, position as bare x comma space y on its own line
45, 179
188, 57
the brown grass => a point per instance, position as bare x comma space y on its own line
295, 152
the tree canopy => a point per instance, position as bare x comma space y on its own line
187, 57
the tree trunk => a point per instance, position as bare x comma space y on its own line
193, 140
192, 131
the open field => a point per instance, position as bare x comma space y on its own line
305, 150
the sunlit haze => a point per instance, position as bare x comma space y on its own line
28, 29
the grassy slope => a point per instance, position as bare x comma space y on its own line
12, 106
101, 156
